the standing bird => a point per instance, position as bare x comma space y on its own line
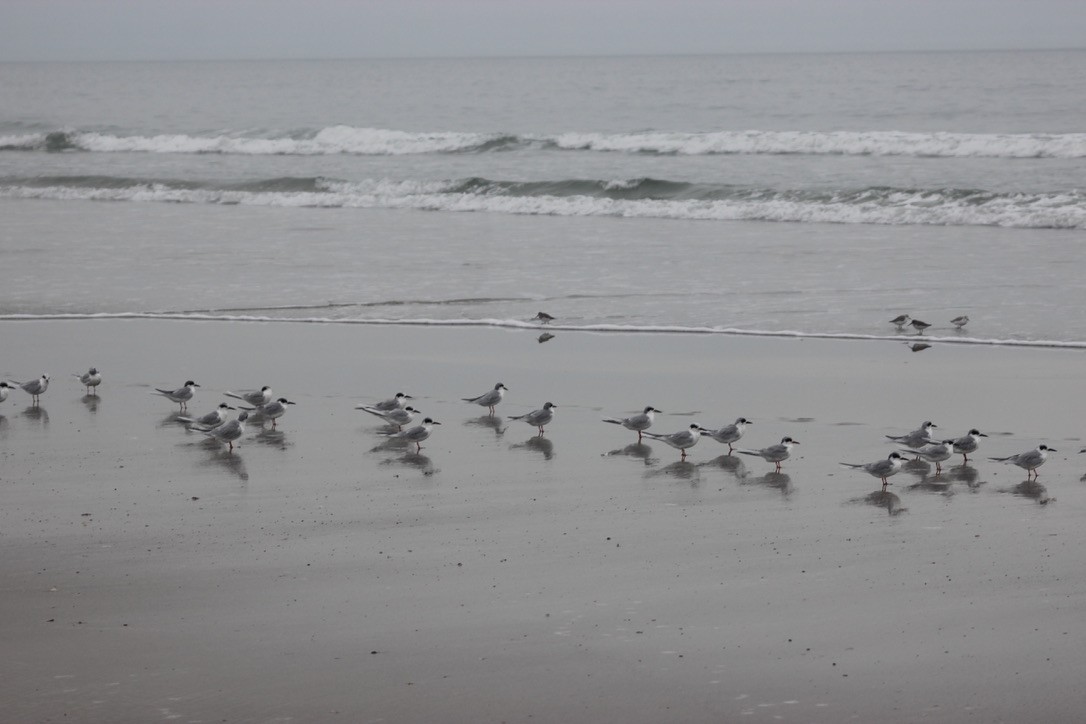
775, 453
253, 397
900, 321
934, 452
181, 395
90, 379
1029, 460
918, 438
415, 434
919, 326
34, 388
729, 434
490, 398
543, 318
212, 419
960, 322
5, 390
638, 423
398, 402
272, 410
968, 443
881, 469
399, 416
538, 418
682, 440
230, 431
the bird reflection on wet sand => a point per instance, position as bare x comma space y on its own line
728, 463
885, 499
637, 450
682, 469
1032, 489
226, 460
37, 413
779, 481
92, 402
493, 422
272, 437
536, 443
413, 459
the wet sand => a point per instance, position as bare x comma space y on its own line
314, 575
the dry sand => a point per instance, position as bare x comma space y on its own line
313, 576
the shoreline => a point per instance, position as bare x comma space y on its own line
495, 575
552, 327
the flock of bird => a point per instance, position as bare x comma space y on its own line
398, 413
903, 320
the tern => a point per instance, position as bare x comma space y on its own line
934, 452
638, 423
968, 443
398, 402
34, 388
1029, 460
729, 434
228, 432
682, 440
181, 395
399, 416
490, 398
253, 397
775, 453
881, 469
212, 419
90, 379
538, 418
414, 434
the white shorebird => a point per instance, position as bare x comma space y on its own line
230, 431
934, 452
181, 395
34, 388
490, 398
272, 410
775, 453
1029, 460
961, 321
900, 321
212, 419
397, 402
90, 379
414, 434
918, 438
5, 389
881, 469
638, 423
399, 416
256, 398
729, 434
682, 440
967, 443
538, 418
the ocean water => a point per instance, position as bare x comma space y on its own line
762, 194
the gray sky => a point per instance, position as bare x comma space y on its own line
228, 29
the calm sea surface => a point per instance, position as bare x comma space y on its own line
811, 194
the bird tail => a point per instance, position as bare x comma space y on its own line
613, 421
852, 465
371, 410
235, 396
1002, 460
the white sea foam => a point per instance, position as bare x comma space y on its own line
1065, 210
520, 324
343, 139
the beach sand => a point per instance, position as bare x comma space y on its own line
313, 575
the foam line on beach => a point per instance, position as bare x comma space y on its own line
529, 325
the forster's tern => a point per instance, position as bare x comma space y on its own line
919, 437
90, 379
919, 326
398, 402
881, 469
34, 388
968, 443
399, 417
491, 398
960, 322
1029, 460
256, 398
729, 434
181, 395
934, 452
638, 423
228, 432
775, 453
414, 434
5, 389
682, 440
538, 418
272, 410
543, 317
900, 320
212, 419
